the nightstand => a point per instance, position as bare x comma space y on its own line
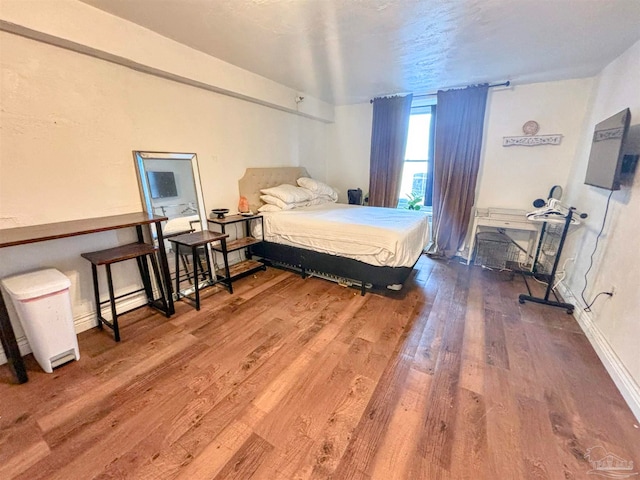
243, 242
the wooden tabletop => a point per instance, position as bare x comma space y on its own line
50, 231
196, 239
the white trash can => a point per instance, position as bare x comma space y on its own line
43, 304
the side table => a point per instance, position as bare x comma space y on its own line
194, 241
245, 242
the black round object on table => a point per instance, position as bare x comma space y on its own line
220, 212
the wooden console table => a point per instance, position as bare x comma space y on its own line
40, 233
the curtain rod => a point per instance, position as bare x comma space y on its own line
433, 94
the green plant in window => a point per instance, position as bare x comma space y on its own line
414, 201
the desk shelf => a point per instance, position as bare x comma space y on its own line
238, 244
241, 269
248, 266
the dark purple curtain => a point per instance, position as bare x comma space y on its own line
388, 142
458, 143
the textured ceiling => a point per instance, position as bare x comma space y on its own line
348, 51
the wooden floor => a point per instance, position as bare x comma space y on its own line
303, 379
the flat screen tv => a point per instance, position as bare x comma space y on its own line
162, 184
605, 161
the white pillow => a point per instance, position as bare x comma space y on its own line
318, 187
271, 200
322, 199
269, 208
289, 193
329, 198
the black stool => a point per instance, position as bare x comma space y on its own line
197, 242
139, 251
184, 252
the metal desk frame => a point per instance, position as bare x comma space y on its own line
507, 219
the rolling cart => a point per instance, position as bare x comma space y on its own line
554, 250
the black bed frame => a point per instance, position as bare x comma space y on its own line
303, 261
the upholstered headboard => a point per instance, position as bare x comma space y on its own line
255, 179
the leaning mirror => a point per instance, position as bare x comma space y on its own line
170, 187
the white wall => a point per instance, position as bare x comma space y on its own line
512, 177
313, 147
71, 121
350, 148
69, 125
613, 325
80, 27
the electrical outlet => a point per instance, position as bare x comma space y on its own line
612, 290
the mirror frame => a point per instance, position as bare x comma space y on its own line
140, 156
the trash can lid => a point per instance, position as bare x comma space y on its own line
36, 284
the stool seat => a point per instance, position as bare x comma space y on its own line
140, 252
119, 254
195, 241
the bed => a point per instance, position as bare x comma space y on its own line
354, 245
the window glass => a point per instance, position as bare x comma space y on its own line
417, 174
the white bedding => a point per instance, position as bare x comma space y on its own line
377, 236
181, 225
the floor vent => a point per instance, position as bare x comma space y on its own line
342, 281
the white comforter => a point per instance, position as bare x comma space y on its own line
377, 236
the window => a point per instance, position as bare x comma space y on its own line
417, 173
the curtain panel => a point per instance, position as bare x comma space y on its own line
458, 144
388, 142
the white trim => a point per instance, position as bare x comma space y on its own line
85, 321
626, 384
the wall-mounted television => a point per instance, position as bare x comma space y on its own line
162, 184
606, 158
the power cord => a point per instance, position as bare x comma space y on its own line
588, 307
595, 248
563, 272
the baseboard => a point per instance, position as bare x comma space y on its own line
626, 384
85, 321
